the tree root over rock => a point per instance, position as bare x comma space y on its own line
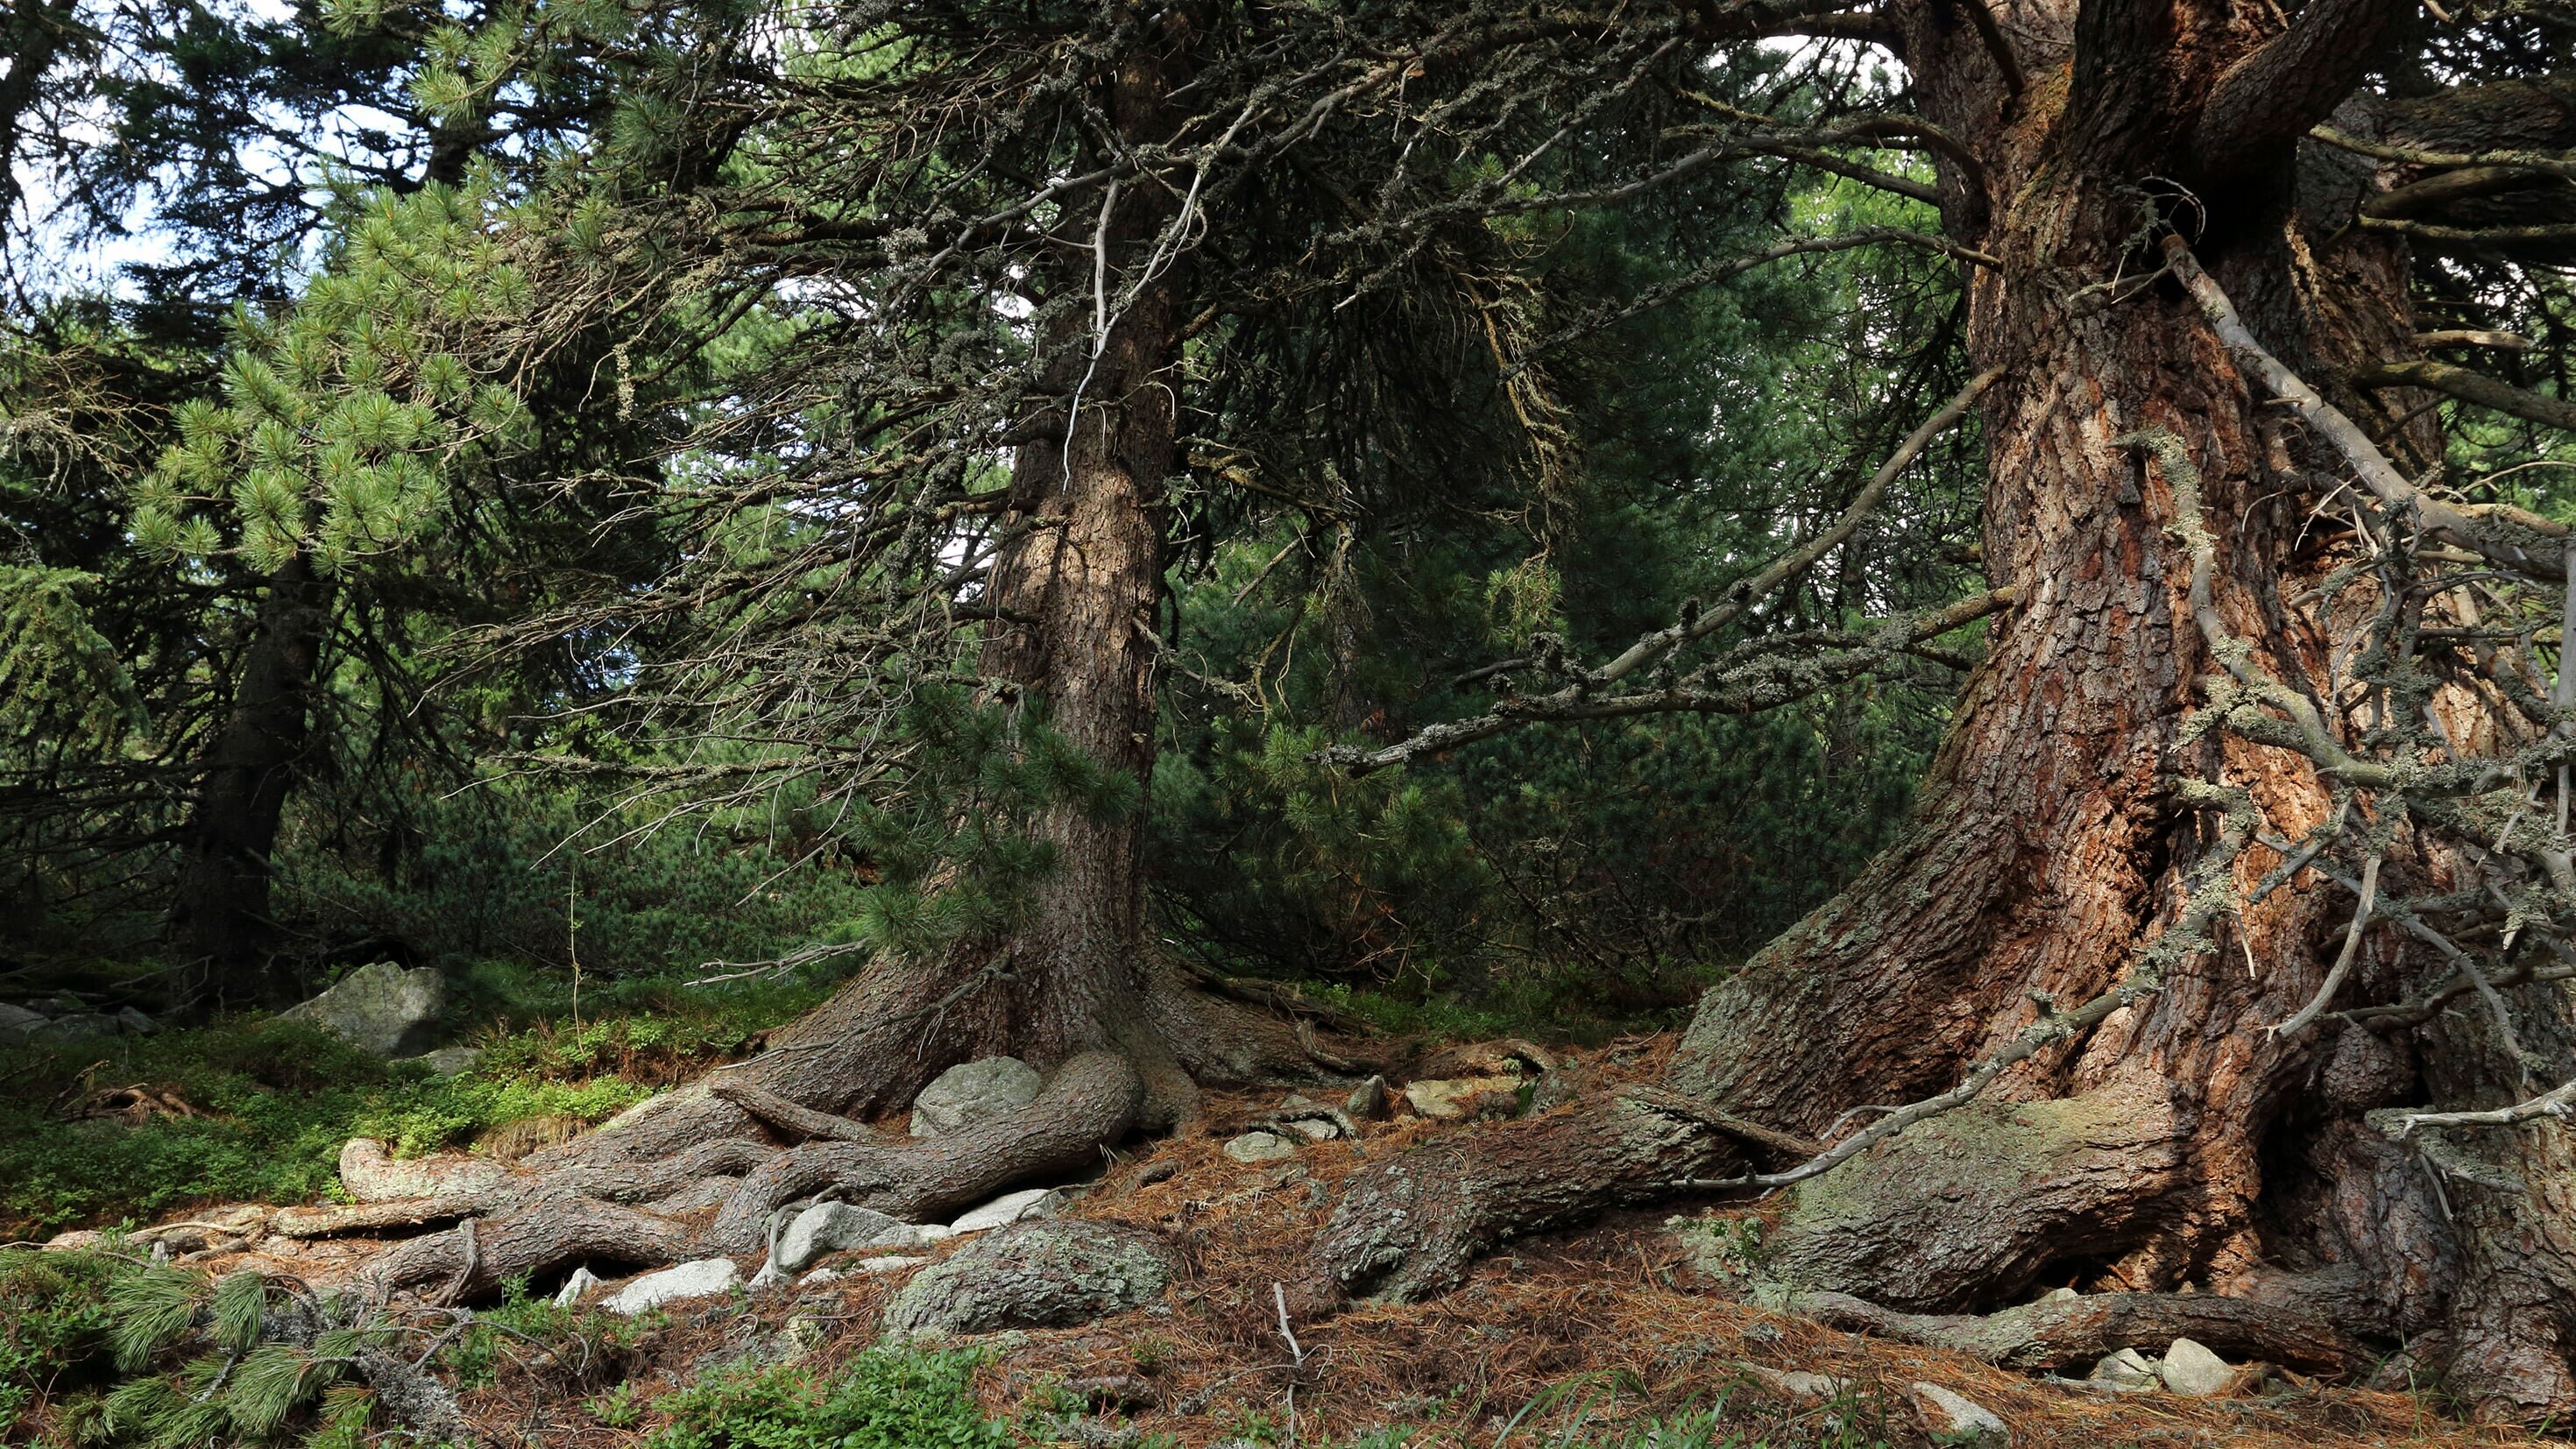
2080, 1330
534, 1222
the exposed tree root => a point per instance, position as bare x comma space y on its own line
2080, 1330
542, 1232
1408, 1228
640, 1190
1970, 1206
785, 1116
1090, 1102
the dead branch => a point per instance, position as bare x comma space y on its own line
2470, 387
2049, 1335
2510, 537
2556, 1104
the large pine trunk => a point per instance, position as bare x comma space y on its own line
220, 924
2181, 1142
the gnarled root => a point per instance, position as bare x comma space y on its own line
543, 1232
1407, 1228
1971, 1205
635, 1191
1090, 1103
2080, 1330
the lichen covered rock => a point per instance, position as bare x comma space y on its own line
973, 1092
1049, 1273
382, 1009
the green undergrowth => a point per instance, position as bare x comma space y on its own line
884, 1398
102, 1349
264, 1105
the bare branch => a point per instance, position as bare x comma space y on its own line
2343, 960
2556, 1103
2518, 540
2472, 387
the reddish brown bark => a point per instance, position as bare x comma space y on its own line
2181, 1141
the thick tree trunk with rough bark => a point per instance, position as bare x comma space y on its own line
2180, 1141
220, 926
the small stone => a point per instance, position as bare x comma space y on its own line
1010, 1207
700, 1279
802, 1334
1956, 1419
1450, 1099
832, 1227
2126, 1369
448, 1061
1314, 1129
75, 1240
135, 1022
892, 1262
1258, 1147
381, 1009
2060, 1295
1797, 1383
819, 1277
18, 1020
579, 1284
973, 1092
1367, 1101
2191, 1370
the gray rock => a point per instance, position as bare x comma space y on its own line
890, 1263
449, 1061
2060, 1295
2191, 1370
1256, 1147
700, 1279
1047, 1274
18, 1020
136, 1022
1313, 1120
580, 1283
1797, 1383
1367, 1101
78, 1025
1009, 1208
2126, 1369
973, 1092
381, 1010
1957, 1419
818, 1277
831, 1227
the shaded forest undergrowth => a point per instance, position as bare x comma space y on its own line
1608, 1335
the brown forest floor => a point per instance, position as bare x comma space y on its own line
1606, 1328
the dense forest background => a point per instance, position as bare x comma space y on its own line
1891, 619
472, 790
